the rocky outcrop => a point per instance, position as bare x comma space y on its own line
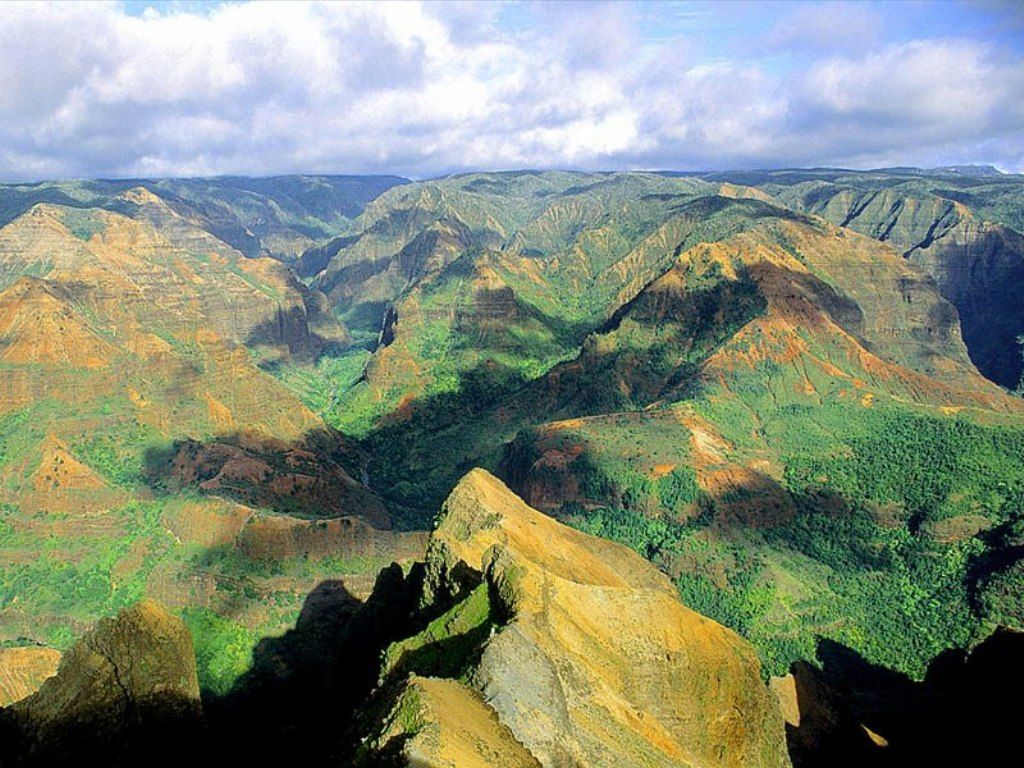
591, 659
23, 670
446, 724
127, 687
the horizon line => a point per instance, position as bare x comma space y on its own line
950, 169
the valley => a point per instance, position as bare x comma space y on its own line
794, 393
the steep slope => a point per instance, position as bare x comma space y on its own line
801, 385
726, 384
778, 411
593, 661
279, 216
762, 361
154, 319
24, 670
134, 392
723, 288
127, 686
441, 722
960, 230
802, 304
414, 232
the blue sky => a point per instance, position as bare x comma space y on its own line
422, 89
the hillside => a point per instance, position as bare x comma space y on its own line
963, 230
278, 216
592, 661
516, 640
783, 389
143, 445
687, 365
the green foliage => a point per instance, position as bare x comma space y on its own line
236, 566
449, 645
82, 224
119, 457
678, 489
649, 536
883, 553
1002, 596
739, 604
933, 468
15, 434
223, 648
409, 712
81, 586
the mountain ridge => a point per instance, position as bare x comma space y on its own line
765, 383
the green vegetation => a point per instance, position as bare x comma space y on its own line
409, 712
234, 565
223, 648
75, 579
886, 551
118, 456
83, 224
449, 645
520, 299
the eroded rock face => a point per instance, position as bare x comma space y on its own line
592, 660
127, 686
23, 670
977, 264
446, 724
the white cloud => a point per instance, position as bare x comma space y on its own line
844, 26
421, 89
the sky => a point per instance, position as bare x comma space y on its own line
131, 89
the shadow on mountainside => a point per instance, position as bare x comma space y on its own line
314, 693
419, 450
315, 476
307, 696
304, 332
854, 713
303, 693
416, 452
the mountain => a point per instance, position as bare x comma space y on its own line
772, 442
143, 443
593, 661
130, 682
970, 170
789, 390
961, 228
705, 370
516, 640
277, 216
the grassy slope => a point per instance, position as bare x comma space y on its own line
889, 538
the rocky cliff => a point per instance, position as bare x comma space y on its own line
976, 261
590, 659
